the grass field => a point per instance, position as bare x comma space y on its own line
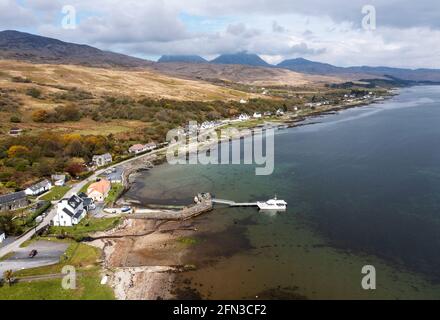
56, 193
86, 226
114, 193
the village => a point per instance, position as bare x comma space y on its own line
64, 201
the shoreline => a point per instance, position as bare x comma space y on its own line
156, 281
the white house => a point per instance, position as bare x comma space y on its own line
2, 236
243, 117
137, 148
39, 188
280, 112
243, 101
102, 160
69, 212
59, 179
257, 115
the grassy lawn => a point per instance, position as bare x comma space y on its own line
83, 258
86, 226
56, 193
86, 186
114, 193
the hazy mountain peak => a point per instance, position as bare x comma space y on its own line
182, 58
242, 58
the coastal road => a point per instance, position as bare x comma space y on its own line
48, 253
15, 246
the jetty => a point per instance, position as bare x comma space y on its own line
234, 204
203, 204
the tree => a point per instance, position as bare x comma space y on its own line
8, 275
75, 169
40, 115
18, 151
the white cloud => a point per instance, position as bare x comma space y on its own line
328, 31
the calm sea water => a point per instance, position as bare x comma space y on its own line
363, 188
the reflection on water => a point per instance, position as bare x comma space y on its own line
362, 188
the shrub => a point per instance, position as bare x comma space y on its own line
15, 119
34, 93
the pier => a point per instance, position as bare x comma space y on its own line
203, 204
233, 203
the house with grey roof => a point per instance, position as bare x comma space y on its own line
69, 212
39, 188
102, 160
13, 201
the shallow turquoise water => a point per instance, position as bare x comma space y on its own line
363, 186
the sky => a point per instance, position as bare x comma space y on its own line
397, 33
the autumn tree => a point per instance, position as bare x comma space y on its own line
18, 151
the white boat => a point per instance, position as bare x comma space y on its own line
272, 204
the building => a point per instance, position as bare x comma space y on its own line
257, 115
15, 132
39, 188
69, 212
243, 117
58, 179
137, 148
13, 201
280, 112
88, 203
243, 101
150, 146
98, 191
102, 160
2, 236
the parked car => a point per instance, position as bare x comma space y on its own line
126, 210
33, 253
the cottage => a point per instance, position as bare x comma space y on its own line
151, 146
13, 201
69, 212
39, 188
257, 115
243, 117
2, 236
59, 179
243, 101
280, 112
15, 132
137, 148
98, 191
102, 160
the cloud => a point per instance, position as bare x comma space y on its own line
328, 31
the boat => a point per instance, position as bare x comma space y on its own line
272, 204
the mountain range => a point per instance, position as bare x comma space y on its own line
24, 46
38, 49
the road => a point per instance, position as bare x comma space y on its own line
15, 246
48, 253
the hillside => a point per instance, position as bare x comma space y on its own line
242, 74
113, 81
28, 47
313, 67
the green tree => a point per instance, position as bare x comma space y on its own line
8, 275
